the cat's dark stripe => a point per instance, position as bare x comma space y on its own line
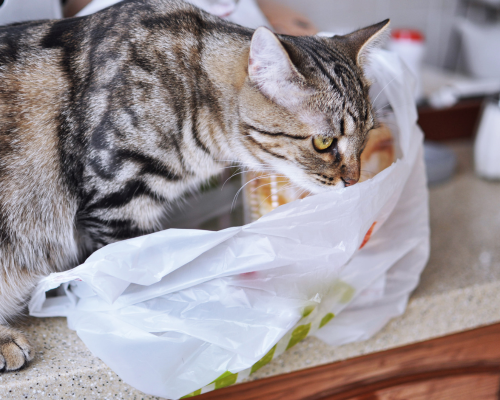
197, 99
319, 64
182, 21
124, 229
331, 53
247, 126
347, 66
314, 49
63, 35
115, 229
5, 237
130, 190
9, 49
9, 39
196, 136
343, 66
352, 115
138, 59
264, 149
342, 71
129, 110
149, 165
175, 95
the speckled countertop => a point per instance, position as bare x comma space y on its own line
459, 290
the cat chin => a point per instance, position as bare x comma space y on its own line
316, 189
302, 179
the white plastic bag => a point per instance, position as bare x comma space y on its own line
180, 310
486, 161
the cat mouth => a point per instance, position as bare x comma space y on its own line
349, 182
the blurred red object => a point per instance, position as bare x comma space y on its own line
408, 34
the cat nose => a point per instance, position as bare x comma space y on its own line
350, 182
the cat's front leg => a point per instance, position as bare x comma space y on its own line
15, 349
15, 290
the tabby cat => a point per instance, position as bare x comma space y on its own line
107, 118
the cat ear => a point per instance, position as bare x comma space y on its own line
271, 70
359, 43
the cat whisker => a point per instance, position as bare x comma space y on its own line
232, 176
381, 107
270, 183
303, 191
229, 167
369, 172
279, 189
381, 90
289, 184
240, 172
240, 164
240, 189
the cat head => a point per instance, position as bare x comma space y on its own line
305, 109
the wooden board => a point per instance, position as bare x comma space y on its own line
467, 387
460, 366
455, 122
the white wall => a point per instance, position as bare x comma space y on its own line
433, 17
26, 10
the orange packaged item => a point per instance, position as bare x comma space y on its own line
378, 154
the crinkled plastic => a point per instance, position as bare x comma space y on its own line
180, 310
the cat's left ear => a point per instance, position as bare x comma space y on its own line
359, 43
272, 71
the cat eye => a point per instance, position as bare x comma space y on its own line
322, 143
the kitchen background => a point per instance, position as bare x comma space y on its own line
459, 289
435, 18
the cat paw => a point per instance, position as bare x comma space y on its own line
15, 349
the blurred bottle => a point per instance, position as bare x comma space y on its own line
486, 159
481, 45
410, 46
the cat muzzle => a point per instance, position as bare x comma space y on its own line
349, 182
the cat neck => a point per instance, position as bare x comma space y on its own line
225, 65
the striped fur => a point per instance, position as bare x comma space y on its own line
105, 119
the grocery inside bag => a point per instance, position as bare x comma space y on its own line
181, 312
